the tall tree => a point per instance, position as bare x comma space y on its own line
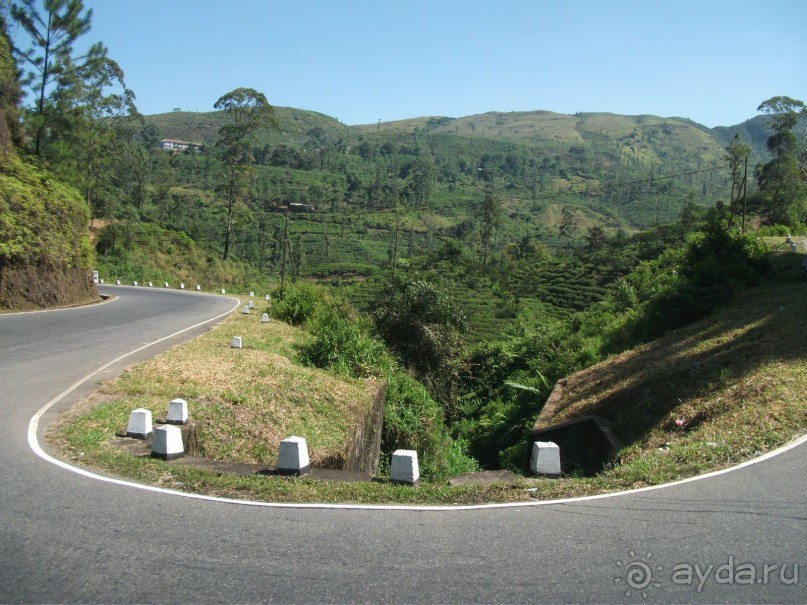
80, 101
422, 175
102, 123
249, 112
50, 60
568, 225
780, 181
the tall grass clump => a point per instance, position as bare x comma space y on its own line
342, 343
782, 230
413, 420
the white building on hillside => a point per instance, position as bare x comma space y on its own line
177, 145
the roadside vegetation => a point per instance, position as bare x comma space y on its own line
706, 396
45, 252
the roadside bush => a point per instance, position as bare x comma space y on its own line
683, 285
782, 230
420, 322
298, 303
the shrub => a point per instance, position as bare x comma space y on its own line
298, 303
420, 322
782, 230
683, 285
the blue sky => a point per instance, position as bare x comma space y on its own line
713, 61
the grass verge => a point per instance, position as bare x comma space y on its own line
705, 397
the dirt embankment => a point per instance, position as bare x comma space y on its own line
28, 288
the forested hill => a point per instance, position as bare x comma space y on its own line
644, 139
549, 170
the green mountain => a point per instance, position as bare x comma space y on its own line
755, 132
643, 139
604, 165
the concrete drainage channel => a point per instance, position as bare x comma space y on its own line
177, 436
168, 442
33, 442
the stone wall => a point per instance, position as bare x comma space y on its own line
365, 448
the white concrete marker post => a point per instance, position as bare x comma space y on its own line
265, 318
404, 467
292, 457
251, 304
236, 342
268, 298
245, 310
165, 284
134, 283
139, 425
222, 290
151, 285
177, 411
181, 286
251, 294
198, 287
167, 443
117, 282
545, 459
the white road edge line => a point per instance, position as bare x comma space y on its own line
33, 442
91, 305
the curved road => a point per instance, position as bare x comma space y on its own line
739, 537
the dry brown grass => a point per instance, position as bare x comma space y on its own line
737, 382
247, 400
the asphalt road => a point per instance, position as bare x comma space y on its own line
66, 537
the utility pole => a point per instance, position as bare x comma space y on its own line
657, 202
745, 192
395, 247
285, 246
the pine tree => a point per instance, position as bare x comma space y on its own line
50, 58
